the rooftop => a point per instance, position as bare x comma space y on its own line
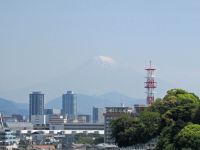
36, 92
140, 105
120, 107
49, 147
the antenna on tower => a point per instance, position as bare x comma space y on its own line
150, 84
150, 63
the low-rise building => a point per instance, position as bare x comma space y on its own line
97, 115
20, 125
41, 127
43, 147
38, 119
88, 118
56, 122
83, 126
19, 117
81, 119
7, 140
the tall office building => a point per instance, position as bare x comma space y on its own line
69, 105
97, 115
36, 104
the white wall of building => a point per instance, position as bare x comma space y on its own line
38, 119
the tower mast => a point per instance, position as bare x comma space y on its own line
150, 84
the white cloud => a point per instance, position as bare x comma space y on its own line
105, 60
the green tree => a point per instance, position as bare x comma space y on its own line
187, 113
181, 96
127, 130
166, 140
99, 140
152, 122
189, 137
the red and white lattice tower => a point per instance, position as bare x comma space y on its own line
150, 84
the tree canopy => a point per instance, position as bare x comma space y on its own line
128, 130
168, 118
189, 137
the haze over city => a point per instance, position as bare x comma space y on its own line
96, 47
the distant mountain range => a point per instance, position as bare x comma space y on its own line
84, 103
9, 107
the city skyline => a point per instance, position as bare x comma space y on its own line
99, 74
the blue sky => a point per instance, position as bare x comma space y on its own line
43, 40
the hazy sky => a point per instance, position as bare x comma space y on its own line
43, 40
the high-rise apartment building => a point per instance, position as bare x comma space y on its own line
97, 115
36, 104
69, 105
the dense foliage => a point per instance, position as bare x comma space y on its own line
129, 130
189, 137
170, 119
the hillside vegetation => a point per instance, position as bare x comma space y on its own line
174, 119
